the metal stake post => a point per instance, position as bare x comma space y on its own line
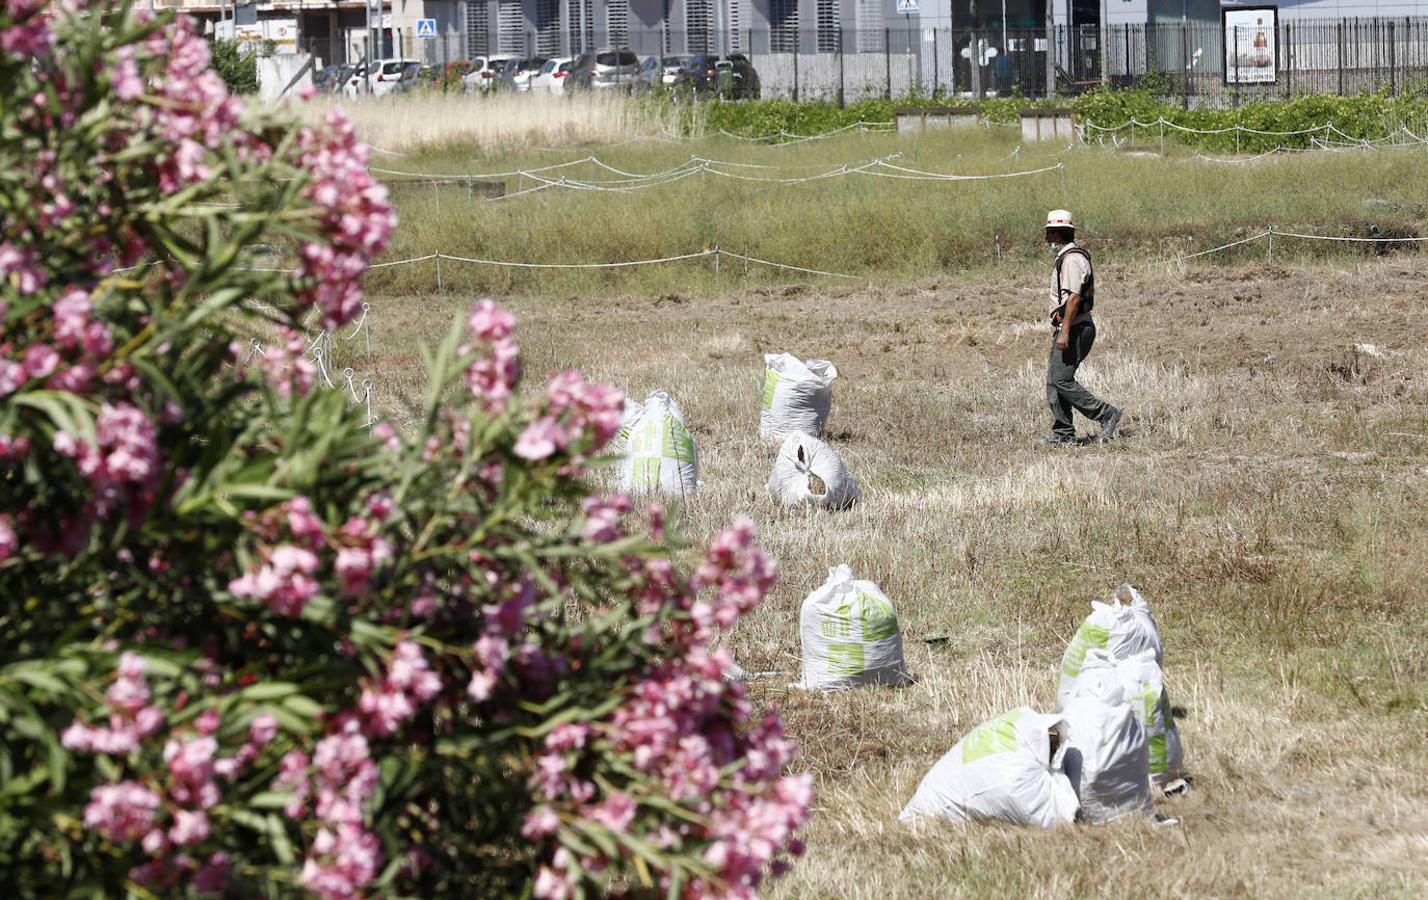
438, 272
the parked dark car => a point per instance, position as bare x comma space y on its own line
516, 75
731, 77
701, 71
325, 79
745, 80
603, 70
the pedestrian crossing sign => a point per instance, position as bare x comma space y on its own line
907, 7
426, 29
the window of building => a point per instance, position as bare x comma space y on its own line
478, 29
783, 25
510, 27
829, 26
617, 15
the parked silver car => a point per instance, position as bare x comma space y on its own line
603, 69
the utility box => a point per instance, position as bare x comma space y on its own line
1048, 125
926, 118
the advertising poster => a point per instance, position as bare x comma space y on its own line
1251, 53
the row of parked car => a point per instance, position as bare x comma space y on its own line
730, 77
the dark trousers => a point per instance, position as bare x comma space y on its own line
1063, 392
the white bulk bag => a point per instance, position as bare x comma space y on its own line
660, 453
1124, 627
849, 635
1003, 769
1140, 680
632, 414
808, 473
1107, 757
797, 395
1144, 683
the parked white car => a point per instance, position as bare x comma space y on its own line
482, 76
386, 75
551, 77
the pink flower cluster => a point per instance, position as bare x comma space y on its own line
409, 684
29, 34
492, 378
353, 213
363, 550
172, 811
284, 578
284, 363
132, 717
504, 620
196, 113
9, 543
344, 857
741, 573
284, 582
124, 468
680, 725
579, 418
602, 518
122, 812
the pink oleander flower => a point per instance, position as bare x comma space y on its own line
293, 778
9, 541
21, 267
409, 684
341, 862
305, 526
121, 812
284, 583
590, 410
353, 213
189, 828
602, 518
541, 439
489, 323
615, 812
540, 822
492, 379
263, 729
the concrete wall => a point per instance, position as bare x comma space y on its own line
277, 71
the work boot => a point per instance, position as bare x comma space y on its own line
1109, 421
1057, 440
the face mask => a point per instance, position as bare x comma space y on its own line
1055, 248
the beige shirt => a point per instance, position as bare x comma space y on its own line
1074, 271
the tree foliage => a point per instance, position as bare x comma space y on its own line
253, 644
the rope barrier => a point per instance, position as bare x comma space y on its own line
1263, 234
614, 265
765, 262
1271, 232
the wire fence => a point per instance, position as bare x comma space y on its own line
1199, 63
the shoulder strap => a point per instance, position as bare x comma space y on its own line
1081, 250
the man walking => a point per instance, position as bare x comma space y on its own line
1073, 294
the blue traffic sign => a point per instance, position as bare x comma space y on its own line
426, 29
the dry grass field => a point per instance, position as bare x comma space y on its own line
1269, 493
1268, 496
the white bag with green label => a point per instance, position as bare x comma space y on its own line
1107, 757
1123, 626
660, 453
808, 473
850, 635
1006, 769
1142, 682
634, 411
797, 395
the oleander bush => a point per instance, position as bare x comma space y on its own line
252, 645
